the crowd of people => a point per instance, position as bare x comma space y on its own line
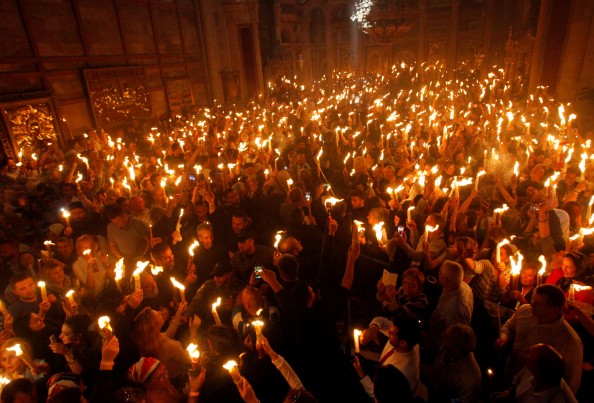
381, 238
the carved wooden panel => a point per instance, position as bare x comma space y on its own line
118, 95
179, 95
28, 125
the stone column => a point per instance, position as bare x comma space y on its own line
487, 34
330, 52
210, 38
572, 60
542, 32
453, 40
422, 48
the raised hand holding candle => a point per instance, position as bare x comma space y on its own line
181, 288
104, 324
178, 226
194, 354
41, 285
215, 314
231, 366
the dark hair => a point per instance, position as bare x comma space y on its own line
129, 394
358, 193
391, 385
409, 330
555, 295
158, 249
16, 387
240, 214
79, 324
20, 276
224, 340
581, 262
113, 211
288, 266
549, 364
66, 396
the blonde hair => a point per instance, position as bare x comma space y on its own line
86, 238
25, 346
147, 332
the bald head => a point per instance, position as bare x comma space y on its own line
451, 275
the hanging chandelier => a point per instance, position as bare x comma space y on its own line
385, 20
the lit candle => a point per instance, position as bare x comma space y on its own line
191, 250
194, 354
478, 175
541, 272
151, 234
215, 314
41, 285
289, 183
515, 272
178, 226
391, 193
428, 230
119, 272
70, 296
104, 324
181, 288
356, 335
66, 215
498, 250
379, 232
48, 246
140, 266
572, 294
409, 213
277, 239
231, 366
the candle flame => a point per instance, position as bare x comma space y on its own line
216, 304
104, 322
192, 350
192, 247
229, 365
579, 287
119, 269
379, 233
177, 284
155, 270
543, 262
17, 349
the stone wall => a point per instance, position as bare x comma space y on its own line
48, 44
